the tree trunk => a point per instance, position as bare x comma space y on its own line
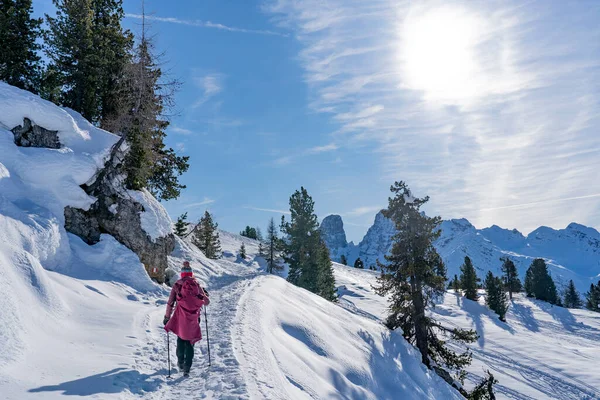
419, 320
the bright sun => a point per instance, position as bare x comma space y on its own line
438, 54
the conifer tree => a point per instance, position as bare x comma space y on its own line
303, 248
242, 251
249, 232
496, 297
539, 283
343, 260
19, 32
468, 279
181, 226
273, 248
149, 163
259, 235
413, 276
206, 237
70, 48
359, 264
572, 298
456, 284
510, 276
89, 50
592, 298
325, 278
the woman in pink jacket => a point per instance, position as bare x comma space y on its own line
188, 298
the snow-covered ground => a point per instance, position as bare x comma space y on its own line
86, 321
541, 352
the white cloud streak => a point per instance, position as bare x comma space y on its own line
270, 210
210, 85
505, 109
205, 24
202, 203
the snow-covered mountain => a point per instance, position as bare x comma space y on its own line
571, 253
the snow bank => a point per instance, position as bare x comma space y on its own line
296, 345
155, 219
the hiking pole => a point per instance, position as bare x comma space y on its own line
207, 338
169, 354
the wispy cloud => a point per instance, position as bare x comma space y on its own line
210, 85
478, 104
270, 210
205, 24
202, 203
359, 211
181, 131
322, 149
180, 146
287, 159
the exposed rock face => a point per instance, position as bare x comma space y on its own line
31, 135
332, 232
118, 215
377, 242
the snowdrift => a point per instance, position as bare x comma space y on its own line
35, 186
296, 345
541, 352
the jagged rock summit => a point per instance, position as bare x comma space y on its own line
571, 253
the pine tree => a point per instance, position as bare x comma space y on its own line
89, 51
206, 237
181, 226
496, 298
468, 279
273, 248
572, 298
455, 284
539, 283
70, 48
359, 264
412, 278
249, 232
593, 298
325, 278
19, 32
242, 251
510, 276
259, 235
303, 248
343, 260
529, 282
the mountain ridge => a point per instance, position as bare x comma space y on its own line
571, 253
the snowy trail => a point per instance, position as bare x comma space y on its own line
223, 379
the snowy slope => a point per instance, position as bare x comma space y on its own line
571, 253
86, 321
541, 352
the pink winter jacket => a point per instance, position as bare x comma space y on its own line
184, 322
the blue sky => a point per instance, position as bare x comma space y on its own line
490, 107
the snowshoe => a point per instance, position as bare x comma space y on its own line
186, 374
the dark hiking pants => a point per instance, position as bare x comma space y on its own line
185, 354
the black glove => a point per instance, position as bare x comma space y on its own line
165, 320
205, 292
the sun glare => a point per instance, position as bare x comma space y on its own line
437, 53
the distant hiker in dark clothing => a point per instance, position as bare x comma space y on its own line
188, 298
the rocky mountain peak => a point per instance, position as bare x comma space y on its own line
332, 232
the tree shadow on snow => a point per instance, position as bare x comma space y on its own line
109, 382
525, 315
475, 311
